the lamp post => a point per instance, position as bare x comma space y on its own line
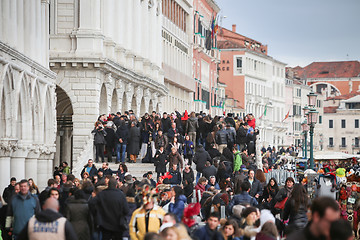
305, 129
312, 120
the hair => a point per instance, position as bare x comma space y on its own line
290, 179
54, 189
259, 175
124, 167
172, 216
269, 229
33, 185
13, 179
299, 196
247, 211
233, 223
24, 181
202, 179
51, 181
245, 186
214, 214
152, 236
164, 232
340, 229
321, 204
178, 191
276, 186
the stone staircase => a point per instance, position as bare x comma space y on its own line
135, 169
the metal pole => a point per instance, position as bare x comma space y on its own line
311, 146
305, 149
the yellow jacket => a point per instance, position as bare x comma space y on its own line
137, 226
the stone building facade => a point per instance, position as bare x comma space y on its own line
27, 93
107, 56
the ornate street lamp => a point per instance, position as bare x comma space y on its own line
312, 99
312, 120
305, 129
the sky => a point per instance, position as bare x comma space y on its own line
298, 32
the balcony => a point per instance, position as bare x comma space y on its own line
330, 145
342, 146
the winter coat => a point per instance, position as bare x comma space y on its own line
176, 177
166, 124
213, 152
175, 159
237, 161
160, 162
251, 139
241, 135
122, 132
161, 141
178, 207
137, 224
282, 194
93, 171
231, 135
192, 124
222, 137
200, 159
171, 133
209, 171
252, 123
205, 233
111, 209
110, 137
297, 219
231, 121
99, 136
52, 218
9, 191
134, 141
256, 187
188, 148
242, 198
80, 217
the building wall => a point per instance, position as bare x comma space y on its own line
342, 85
27, 93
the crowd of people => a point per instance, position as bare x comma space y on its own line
208, 185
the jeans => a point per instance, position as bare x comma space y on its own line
120, 152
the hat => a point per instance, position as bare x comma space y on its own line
247, 211
166, 225
340, 172
128, 179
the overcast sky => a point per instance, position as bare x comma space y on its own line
298, 32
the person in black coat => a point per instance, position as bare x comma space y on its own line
209, 170
122, 133
78, 213
133, 147
99, 140
110, 139
111, 209
241, 136
188, 182
256, 188
176, 175
165, 123
89, 168
160, 162
213, 152
200, 159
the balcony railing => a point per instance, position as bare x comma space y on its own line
342, 146
330, 145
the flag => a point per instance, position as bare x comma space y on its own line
214, 26
264, 113
287, 116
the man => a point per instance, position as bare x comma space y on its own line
241, 134
9, 191
231, 136
110, 138
213, 152
192, 126
106, 170
54, 193
122, 137
221, 138
161, 140
212, 184
165, 123
173, 132
324, 211
149, 176
237, 160
89, 168
48, 224
255, 189
21, 208
175, 158
200, 158
230, 120
209, 170
45, 193
111, 208
209, 231
242, 198
146, 219
176, 175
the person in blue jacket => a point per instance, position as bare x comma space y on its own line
177, 202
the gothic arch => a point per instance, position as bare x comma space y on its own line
103, 106
133, 104
24, 119
48, 118
151, 106
124, 103
142, 107
7, 102
36, 113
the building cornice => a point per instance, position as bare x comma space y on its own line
213, 5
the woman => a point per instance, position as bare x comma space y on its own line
188, 147
174, 143
99, 140
210, 138
170, 233
268, 232
79, 215
121, 171
177, 202
77, 183
260, 175
284, 192
230, 229
201, 186
160, 162
133, 142
247, 227
296, 209
269, 193
33, 188
188, 182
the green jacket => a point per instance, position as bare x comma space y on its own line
237, 161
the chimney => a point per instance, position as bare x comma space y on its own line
234, 27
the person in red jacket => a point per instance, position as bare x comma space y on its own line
251, 120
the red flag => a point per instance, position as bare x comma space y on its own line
287, 115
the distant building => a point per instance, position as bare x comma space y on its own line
255, 82
331, 78
341, 129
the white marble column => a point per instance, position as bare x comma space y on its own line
136, 30
5, 171
145, 29
152, 28
20, 25
38, 33
17, 167
13, 25
31, 166
128, 25
45, 31
42, 168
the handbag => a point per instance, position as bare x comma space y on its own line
281, 204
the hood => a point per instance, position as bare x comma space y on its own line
48, 216
193, 119
251, 231
186, 116
182, 198
200, 149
